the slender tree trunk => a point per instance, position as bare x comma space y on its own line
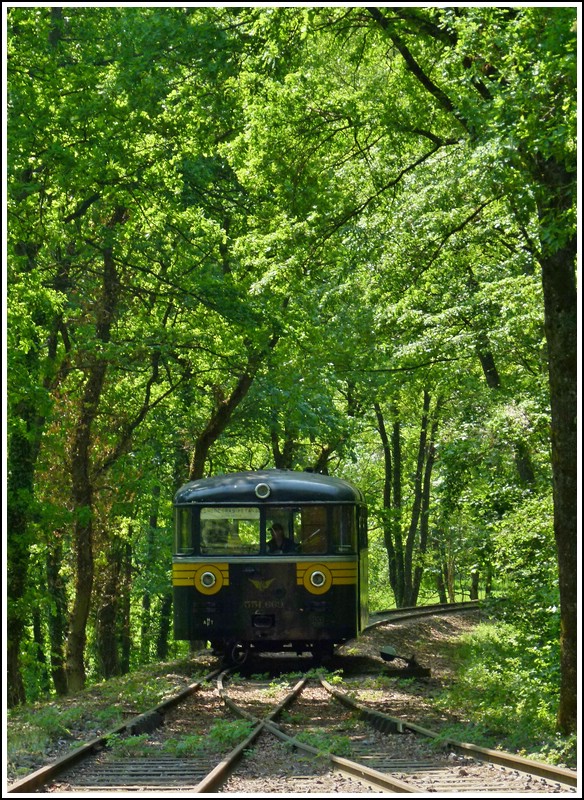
40, 647
416, 507
387, 500
216, 425
82, 486
474, 584
57, 615
146, 614
165, 625
145, 628
322, 461
396, 511
125, 627
441, 586
449, 577
524, 463
214, 428
485, 354
425, 507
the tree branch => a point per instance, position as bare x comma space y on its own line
411, 63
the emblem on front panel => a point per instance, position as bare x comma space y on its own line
262, 585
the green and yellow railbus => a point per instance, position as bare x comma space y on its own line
270, 560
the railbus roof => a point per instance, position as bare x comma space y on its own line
270, 486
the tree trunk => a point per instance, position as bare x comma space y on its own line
83, 545
124, 621
441, 586
396, 511
323, 458
165, 625
412, 535
216, 425
400, 559
82, 486
484, 351
559, 289
449, 577
40, 647
108, 589
474, 585
283, 456
387, 507
146, 613
82, 498
145, 628
488, 579
524, 463
20, 497
485, 354
425, 508
57, 615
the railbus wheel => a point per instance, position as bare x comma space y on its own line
236, 653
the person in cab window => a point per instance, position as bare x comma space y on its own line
279, 543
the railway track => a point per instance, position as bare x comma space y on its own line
301, 735
415, 612
95, 752
400, 759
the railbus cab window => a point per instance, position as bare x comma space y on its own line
315, 530
343, 530
183, 544
230, 531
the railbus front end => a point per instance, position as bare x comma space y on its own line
240, 588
